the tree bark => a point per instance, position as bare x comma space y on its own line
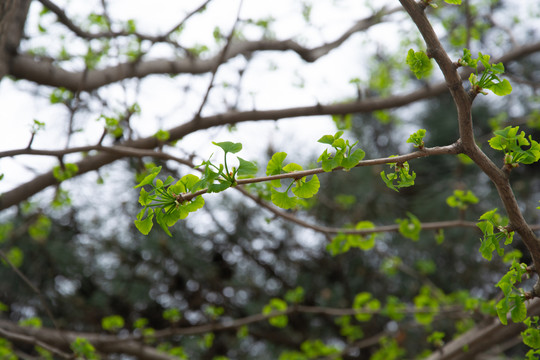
12, 19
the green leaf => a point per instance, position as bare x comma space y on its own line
149, 178
453, 2
518, 313
295, 296
229, 147
246, 169
292, 167
417, 138
33, 322
502, 309
283, 200
410, 228
500, 88
173, 315
112, 323
329, 161
531, 337
276, 305
364, 302
275, 165
419, 63
353, 159
144, 226
306, 189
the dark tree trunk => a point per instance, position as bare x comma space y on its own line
12, 19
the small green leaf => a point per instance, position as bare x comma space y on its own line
353, 159
246, 169
112, 323
229, 147
144, 226
275, 165
500, 88
283, 200
276, 305
419, 63
149, 178
306, 189
454, 2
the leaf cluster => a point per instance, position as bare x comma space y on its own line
491, 220
300, 187
489, 78
511, 142
165, 201
343, 155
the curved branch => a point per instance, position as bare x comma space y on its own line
46, 73
332, 230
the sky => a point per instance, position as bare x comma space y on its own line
271, 81
292, 83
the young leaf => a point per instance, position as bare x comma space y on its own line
306, 189
144, 226
282, 199
419, 63
246, 169
229, 147
500, 88
353, 159
149, 178
275, 165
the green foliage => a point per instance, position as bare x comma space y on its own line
162, 135
417, 139
389, 350
112, 126
343, 122
514, 299
419, 63
489, 79
60, 96
65, 172
436, 338
365, 306
350, 331
83, 349
461, 199
112, 323
394, 308
344, 155
276, 305
6, 350
165, 201
213, 311
510, 142
295, 296
426, 305
531, 335
491, 220
39, 230
15, 256
401, 175
33, 322
311, 349
410, 228
344, 242
37, 126
173, 315
302, 188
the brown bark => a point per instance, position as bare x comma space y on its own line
12, 19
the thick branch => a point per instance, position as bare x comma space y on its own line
47, 73
463, 104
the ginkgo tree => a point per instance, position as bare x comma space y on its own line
288, 256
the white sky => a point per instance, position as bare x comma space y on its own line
165, 105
